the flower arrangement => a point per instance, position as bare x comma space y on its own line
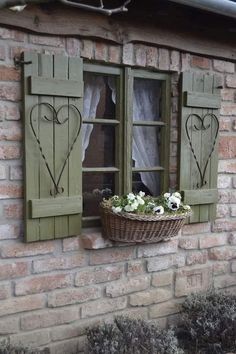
167, 203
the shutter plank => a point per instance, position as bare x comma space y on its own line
201, 100
46, 138
75, 175
31, 152
61, 142
44, 208
54, 87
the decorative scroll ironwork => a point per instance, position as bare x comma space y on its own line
202, 126
55, 120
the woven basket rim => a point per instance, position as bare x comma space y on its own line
146, 217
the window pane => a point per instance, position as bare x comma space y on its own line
148, 182
96, 186
146, 146
147, 100
100, 151
99, 96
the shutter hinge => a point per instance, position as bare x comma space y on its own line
19, 62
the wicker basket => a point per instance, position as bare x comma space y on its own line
128, 227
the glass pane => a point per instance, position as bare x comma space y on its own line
148, 182
146, 146
96, 186
100, 151
147, 99
99, 96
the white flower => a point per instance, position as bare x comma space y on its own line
128, 208
186, 207
140, 200
177, 195
116, 209
151, 205
115, 197
173, 203
141, 194
134, 205
130, 196
167, 195
159, 209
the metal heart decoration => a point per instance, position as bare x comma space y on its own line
54, 118
202, 126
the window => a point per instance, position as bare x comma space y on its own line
125, 134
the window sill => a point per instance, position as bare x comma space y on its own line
91, 239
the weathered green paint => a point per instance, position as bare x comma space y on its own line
55, 140
54, 87
203, 199
202, 100
44, 208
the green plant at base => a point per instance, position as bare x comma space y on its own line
131, 336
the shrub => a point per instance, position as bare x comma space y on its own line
6, 348
130, 336
209, 322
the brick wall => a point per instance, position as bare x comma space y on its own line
50, 291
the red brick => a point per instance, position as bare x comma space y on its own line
140, 55
149, 297
185, 61
174, 60
94, 240
161, 248
192, 280
2, 53
224, 181
98, 275
188, 243
127, 286
10, 92
103, 306
233, 266
68, 346
59, 263
9, 111
31, 339
5, 291
111, 255
12, 34
162, 278
227, 94
231, 81
209, 241
224, 281
220, 268
22, 304
196, 229
233, 210
164, 59
8, 232
152, 57
13, 211
16, 173
101, 51
8, 73
13, 270
223, 66
42, 284
10, 191
87, 49
227, 147
48, 318
225, 124
232, 238
224, 196
70, 244
73, 296
114, 54
47, 40
135, 268
75, 329
165, 262
24, 250
128, 55
196, 257
228, 109
73, 47
224, 225
164, 309
222, 211
200, 62
221, 253
9, 152
9, 325
11, 131
3, 172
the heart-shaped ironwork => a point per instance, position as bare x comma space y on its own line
202, 126
54, 118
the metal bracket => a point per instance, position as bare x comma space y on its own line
18, 62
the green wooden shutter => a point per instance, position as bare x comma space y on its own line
200, 103
52, 81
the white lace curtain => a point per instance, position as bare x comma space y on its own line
145, 107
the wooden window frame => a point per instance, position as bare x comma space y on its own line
124, 125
